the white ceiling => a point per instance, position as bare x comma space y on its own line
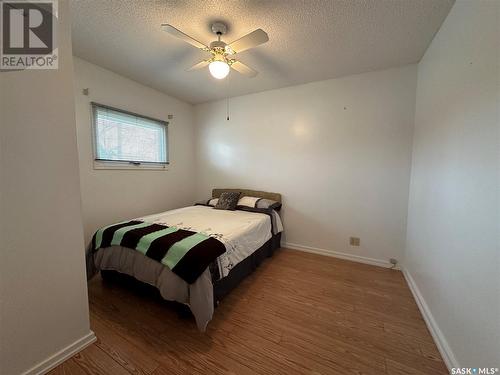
310, 40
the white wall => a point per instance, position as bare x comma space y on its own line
338, 150
43, 297
453, 225
112, 195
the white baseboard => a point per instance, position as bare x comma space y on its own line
437, 335
56, 359
336, 254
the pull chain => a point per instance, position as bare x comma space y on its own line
227, 99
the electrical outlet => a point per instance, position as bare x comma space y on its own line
354, 241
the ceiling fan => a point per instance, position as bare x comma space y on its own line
222, 59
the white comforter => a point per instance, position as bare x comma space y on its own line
241, 232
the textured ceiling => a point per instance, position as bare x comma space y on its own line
310, 40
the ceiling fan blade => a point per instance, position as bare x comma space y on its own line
244, 69
179, 34
200, 65
255, 38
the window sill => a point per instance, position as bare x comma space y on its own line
99, 165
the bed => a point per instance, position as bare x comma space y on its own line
237, 241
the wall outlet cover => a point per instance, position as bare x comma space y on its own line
354, 241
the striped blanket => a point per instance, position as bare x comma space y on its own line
186, 253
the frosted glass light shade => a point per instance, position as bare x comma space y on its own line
219, 69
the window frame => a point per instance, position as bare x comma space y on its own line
125, 164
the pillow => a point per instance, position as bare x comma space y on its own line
207, 202
255, 202
268, 203
248, 201
228, 200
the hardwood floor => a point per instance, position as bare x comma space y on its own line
298, 313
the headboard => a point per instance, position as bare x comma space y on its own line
251, 193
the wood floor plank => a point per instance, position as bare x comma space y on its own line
94, 361
298, 313
129, 356
70, 367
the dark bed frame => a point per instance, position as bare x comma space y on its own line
222, 287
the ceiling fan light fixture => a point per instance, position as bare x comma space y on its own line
219, 69
222, 60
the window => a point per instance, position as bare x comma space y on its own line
127, 140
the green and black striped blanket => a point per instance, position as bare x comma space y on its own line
186, 253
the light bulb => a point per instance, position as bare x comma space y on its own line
218, 69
